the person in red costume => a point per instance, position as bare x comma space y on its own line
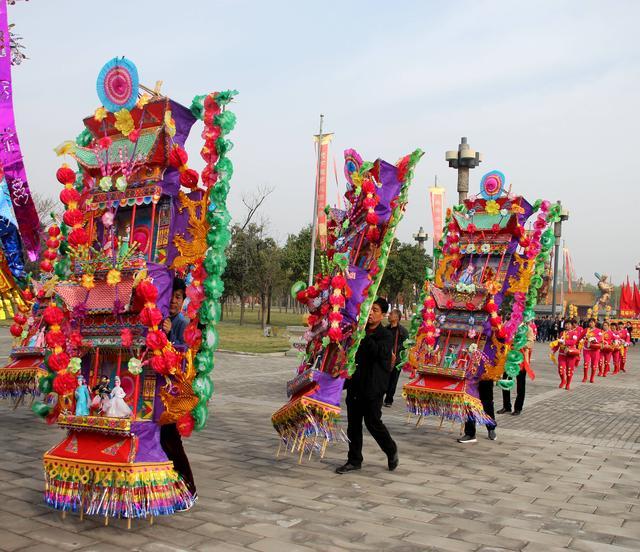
591, 343
617, 345
568, 352
625, 338
608, 337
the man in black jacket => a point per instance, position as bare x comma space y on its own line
366, 389
399, 333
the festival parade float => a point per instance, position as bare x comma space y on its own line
136, 216
472, 321
359, 239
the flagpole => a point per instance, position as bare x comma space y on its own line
314, 231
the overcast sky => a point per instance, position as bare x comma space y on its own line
547, 91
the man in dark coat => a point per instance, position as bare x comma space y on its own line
366, 389
399, 333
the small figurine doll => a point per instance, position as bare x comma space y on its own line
103, 393
82, 398
118, 408
467, 276
450, 357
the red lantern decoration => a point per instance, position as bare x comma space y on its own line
65, 175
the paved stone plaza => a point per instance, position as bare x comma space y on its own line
565, 474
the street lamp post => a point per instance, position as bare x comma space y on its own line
463, 160
557, 232
421, 237
638, 269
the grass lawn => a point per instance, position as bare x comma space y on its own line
249, 337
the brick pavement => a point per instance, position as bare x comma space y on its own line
564, 475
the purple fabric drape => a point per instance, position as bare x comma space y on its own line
329, 389
163, 280
10, 154
184, 120
149, 448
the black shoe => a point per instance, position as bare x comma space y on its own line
346, 468
503, 411
492, 435
467, 439
516, 412
393, 461
388, 405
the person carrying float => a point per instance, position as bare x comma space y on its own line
473, 320
137, 221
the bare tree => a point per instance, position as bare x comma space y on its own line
45, 207
254, 201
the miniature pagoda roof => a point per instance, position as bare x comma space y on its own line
100, 298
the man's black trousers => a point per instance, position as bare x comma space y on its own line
393, 384
521, 384
369, 410
172, 445
485, 390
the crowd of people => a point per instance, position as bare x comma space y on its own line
549, 327
604, 348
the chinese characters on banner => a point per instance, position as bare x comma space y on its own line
10, 154
436, 196
321, 186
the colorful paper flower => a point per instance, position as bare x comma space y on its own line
127, 337
492, 207
124, 121
134, 366
87, 281
114, 277
105, 183
74, 365
143, 100
121, 183
100, 114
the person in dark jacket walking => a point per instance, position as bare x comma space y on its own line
399, 333
366, 389
170, 438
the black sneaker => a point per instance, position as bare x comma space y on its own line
393, 461
503, 411
388, 405
492, 435
516, 413
467, 439
348, 467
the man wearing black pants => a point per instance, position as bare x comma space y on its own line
521, 383
485, 390
521, 378
170, 438
366, 389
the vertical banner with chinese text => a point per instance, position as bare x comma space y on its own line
436, 195
321, 186
10, 154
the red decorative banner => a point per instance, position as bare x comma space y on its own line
321, 186
568, 263
436, 196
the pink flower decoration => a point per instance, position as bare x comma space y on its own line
107, 219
